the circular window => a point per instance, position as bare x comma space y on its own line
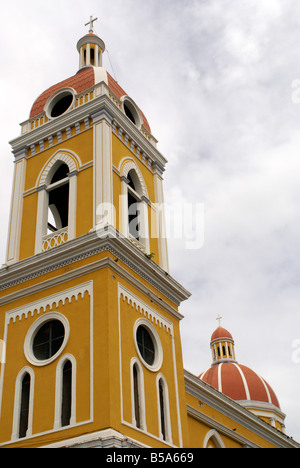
46, 339
148, 344
131, 111
145, 345
59, 103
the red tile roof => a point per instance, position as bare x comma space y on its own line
239, 383
83, 80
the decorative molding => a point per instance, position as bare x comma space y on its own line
50, 301
144, 309
143, 143
87, 246
69, 157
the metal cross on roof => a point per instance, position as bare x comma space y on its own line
91, 24
219, 319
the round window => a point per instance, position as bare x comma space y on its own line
46, 339
145, 345
59, 103
148, 344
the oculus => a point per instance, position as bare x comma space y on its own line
148, 345
59, 103
46, 339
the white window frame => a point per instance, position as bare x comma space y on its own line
17, 403
141, 390
142, 199
44, 186
168, 437
58, 391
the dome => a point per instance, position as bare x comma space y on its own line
239, 383
220, 332
91, 72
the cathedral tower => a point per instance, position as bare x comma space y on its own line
89, 315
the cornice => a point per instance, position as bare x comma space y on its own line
100, 107
87, 246
217, 400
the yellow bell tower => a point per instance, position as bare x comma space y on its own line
89, 321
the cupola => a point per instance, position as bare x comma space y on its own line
222, 346
90, 48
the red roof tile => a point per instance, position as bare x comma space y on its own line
84, 79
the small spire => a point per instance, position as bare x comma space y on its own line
219, 319
91, 24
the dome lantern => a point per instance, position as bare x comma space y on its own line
222, 345
90, 48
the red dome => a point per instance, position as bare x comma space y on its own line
83, 80
220, 332
239, 383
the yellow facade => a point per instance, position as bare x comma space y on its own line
104, 286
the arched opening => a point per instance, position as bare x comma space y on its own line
24, 406
213, 440
66, 406
136, 396
58, 204
163, 410
134, 201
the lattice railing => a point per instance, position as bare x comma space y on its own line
54, 239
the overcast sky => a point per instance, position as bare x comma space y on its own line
217, 80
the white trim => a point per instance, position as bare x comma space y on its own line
17, 403
55, 97
244, 381
216, 438
161, 233
138, 120
16, 211
103, 175
219, 377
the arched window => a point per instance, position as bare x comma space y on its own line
56, 211
66, 405
135, 222
163, 410
65, 394
23, 404
58, 204
213, 440
138, 395
134, 205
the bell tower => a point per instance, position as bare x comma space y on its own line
89, 314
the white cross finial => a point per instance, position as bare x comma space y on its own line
91, 24
219, 319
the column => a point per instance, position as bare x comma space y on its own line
104, 212
15, 222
